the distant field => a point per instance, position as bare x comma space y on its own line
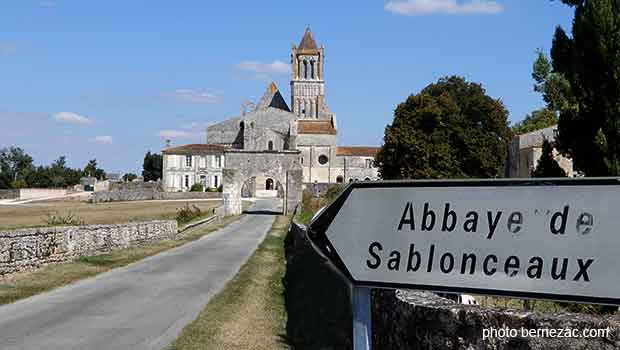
36, 214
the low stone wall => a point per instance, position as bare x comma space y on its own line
27, 248
32, 193
319, 315
135, 186
122, 196
9, 194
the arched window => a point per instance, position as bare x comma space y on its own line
367, 179
305, 70
270, 145
269, 184
339, 179
312, 69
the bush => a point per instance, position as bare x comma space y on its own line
187, 214
197, 187
69, 219
220, 188
211, 189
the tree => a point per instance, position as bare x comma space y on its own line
91, 170
451, 129
538, 119
129, 177
14, 165
589, 133
152, 166
547, 165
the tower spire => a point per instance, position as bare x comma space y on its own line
307, 41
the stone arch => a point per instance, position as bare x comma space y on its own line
281, 166
269, 185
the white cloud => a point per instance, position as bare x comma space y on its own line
193, 96
276, 67
451, 7
106, 140
72, 118
7, 48
179, 134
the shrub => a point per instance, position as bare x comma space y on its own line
187, 213
68, 219
197, 187
220, 188
211, 189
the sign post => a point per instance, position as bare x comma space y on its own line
552, 239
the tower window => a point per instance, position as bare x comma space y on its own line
305, 70
311, 69
270, 145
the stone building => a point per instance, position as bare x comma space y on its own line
525, 150
270, 146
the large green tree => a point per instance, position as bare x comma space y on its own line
91, 169
589, 61
15, 164
152, 166
451, 129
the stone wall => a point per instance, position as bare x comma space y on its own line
319, 314
122, 196
135, 186
32, 193
27, 248
9, 194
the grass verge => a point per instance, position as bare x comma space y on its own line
249, 312
26, 284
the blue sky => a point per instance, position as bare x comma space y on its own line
112, 79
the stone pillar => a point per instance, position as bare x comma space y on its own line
294, 180
231, 192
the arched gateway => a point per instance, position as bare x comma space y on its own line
281, 166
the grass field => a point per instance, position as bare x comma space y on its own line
26, 284
36, 214
249, 312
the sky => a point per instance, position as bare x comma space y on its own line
114, 79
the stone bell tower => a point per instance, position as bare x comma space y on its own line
307, 82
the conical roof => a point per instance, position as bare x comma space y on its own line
308, 42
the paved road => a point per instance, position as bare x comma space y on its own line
142, 306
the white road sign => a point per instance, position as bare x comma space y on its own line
553, 239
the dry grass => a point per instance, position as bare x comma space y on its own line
36, 214
249, 312
26, 284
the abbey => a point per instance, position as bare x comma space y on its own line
271, 144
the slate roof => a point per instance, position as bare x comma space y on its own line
324, 127
195, 148
307, 42
357, 151
272, 98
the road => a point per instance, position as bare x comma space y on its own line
141, 306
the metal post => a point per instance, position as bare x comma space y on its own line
362, 327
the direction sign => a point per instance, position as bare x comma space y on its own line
550, 239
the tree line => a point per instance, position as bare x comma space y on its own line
453, 129
17, 170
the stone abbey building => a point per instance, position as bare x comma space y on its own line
274, 147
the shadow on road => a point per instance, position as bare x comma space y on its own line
263, 212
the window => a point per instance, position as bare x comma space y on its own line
216, 181
339, 179
188, 161
367, 179
311, 69
218, 161
270, 145
301, 160
305, 70
323, 159
368, 163
186, 180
